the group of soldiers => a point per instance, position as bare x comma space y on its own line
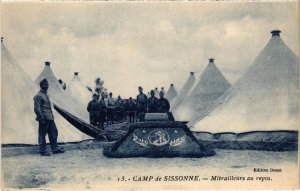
102, 109
106, 109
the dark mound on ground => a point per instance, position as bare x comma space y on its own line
256, 140
158, 139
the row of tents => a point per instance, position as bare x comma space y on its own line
264, 100
169, 95
259, 111
18, 117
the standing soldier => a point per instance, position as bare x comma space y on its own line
163, 106
131, 108
118, 108
44, 115
110, 105
141, 104
152, 103
93, 110
102, 111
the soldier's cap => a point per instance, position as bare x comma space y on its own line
152, 92
140, 87
44, 82
95, 94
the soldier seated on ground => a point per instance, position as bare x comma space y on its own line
163, 106
93, 110
152, 103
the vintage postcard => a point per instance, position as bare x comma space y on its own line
101, 95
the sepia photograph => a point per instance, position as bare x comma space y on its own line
136, 95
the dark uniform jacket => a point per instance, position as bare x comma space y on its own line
131, 106
163, 105
42, 106
141, 102
93, 108
152, 104
102, 105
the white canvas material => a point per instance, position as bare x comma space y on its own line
264, 98
209, 87
20, 126
182, 94
171, 93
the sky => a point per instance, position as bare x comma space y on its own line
148, 44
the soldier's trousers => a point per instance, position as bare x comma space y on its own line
110, 114
141, 114
49, 128
131, 115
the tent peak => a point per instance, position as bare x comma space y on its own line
76, 73
275, 32
211, 60
192, 73
172, 84
47, 63
2, 39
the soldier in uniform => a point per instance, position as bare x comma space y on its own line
44, 115
152, 103
141, 100
102, 111
93, 110
131, 108
119, 108
110, 105
163, 106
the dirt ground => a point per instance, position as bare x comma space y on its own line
89, 169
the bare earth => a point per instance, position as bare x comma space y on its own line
89, 169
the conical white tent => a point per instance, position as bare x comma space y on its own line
54, 86
183, 91
210, 86
156, 91
265, 98
18, 119
18, 90
77, 89
171, 93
